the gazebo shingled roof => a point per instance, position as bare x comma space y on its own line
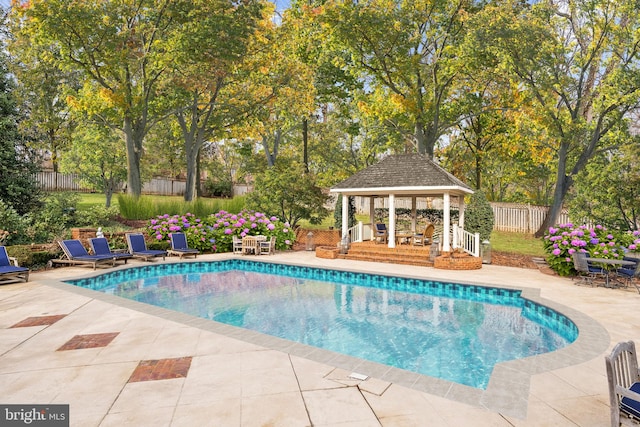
405, 173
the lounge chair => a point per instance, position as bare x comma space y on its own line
138, 248
587, 273
76, 254
179, 246
237, 245
627, 274
381, 233
268, 246
10, 271
424, 238
624, 384
100, 246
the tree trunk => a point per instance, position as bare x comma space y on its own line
563, 183
305, 140
191, 151
133, 141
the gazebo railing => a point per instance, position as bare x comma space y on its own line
360, 232
469, 242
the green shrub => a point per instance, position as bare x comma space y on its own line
96, 216
13, 226
479, 216
337, 213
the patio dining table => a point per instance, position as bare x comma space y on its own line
607, 262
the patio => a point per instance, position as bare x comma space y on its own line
117, 363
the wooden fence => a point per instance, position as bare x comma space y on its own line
52, 181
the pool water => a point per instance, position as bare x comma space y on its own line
450, 331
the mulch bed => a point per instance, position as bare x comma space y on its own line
512, 260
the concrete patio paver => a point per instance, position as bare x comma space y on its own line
235, 382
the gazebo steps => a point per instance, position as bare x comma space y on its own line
401, 254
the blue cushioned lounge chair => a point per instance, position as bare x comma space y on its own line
624, 384
10, 271
180, 247
76, 254
100, 246
138, 248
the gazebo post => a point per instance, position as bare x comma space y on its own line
461, 211
413, 214
372, 215
345, 215
446, 238
391, 238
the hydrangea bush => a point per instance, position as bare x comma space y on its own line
562, 241
215, 233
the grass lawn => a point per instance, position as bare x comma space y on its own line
87, 200
520, 243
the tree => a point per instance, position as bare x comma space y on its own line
18, 164
120, 49
608, 190
577, 64
99, 157
406, 52
208, 56
287, 192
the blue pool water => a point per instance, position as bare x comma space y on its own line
445, 330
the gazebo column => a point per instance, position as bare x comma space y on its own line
461, 211
392, 221
446, 238
413, 214
372, 215
345, 216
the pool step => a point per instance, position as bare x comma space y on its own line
402, 254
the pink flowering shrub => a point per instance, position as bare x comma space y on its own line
215, 232
598, 242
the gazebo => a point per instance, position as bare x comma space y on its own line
405, 175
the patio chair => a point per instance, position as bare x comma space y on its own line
624, 384
100, 246
237, 245
424, 238
138, 248
10, 271
586, 273
179, 246
76, 254
381, 233
627, 274
268, 246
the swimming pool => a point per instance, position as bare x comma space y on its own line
445, 330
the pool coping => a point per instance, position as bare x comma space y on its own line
509, 384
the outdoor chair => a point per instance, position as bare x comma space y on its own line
179, 246
424, 238
100, 246
268, 246
74, 253
624, 384
381, 233
627, 274
10, 271
138, 248
237, 245
586, 272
